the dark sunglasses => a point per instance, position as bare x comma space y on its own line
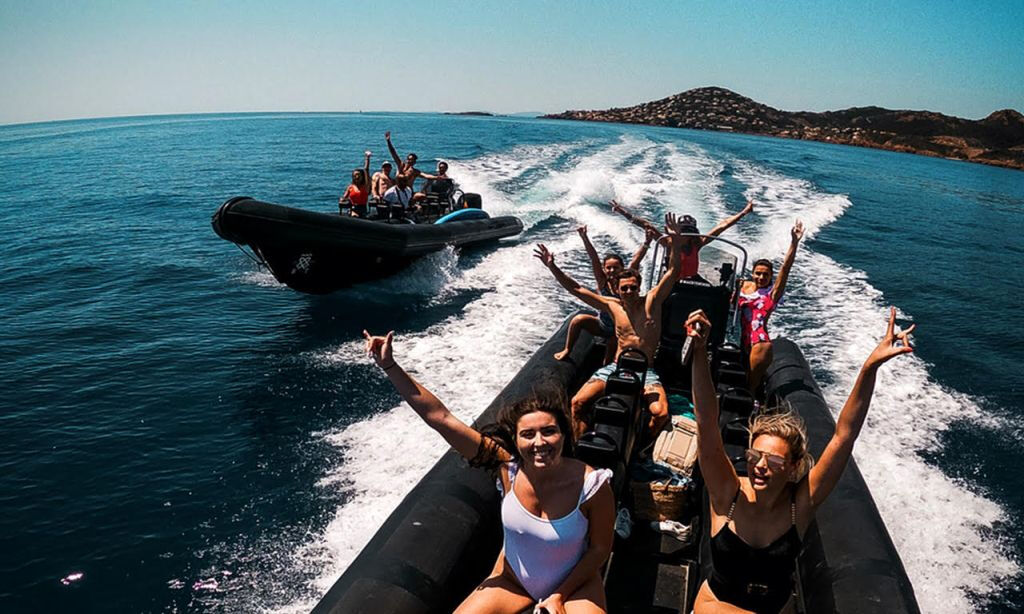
775, 462
629, 288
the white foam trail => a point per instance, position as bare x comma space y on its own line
937, 525
940, 528
262, 278
486, 174
386, 455
779, 202
427, 276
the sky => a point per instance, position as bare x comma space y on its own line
78, 59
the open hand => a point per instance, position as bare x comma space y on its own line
387, 135
379, 348
749, 208
582, 230
650, 234
892, 344
698, 326
672, 228
797, 232
367, 153
544, 255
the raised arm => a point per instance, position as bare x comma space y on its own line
668, 280
394, 154
729, 222
795, 234
719, 474
462, 437
649, 236
366, 171
587, 296
825, 474
634, 219
595, 260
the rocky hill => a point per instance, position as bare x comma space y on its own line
998, 139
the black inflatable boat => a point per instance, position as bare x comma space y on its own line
320, 252
443, 538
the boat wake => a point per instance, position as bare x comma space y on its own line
942, 529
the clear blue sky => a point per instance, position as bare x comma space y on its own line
73, 59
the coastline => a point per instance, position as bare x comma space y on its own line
997, 140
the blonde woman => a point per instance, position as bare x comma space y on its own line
758, 521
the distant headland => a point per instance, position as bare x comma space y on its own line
998, 139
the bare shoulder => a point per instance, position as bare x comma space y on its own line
574, 466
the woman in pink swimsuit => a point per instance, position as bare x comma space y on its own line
558, 513
758, 299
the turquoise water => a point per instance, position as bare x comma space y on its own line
190, 435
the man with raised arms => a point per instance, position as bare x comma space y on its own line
637, 325
408, 167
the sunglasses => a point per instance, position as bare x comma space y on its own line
628, 288
775, 462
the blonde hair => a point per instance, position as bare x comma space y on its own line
786, 424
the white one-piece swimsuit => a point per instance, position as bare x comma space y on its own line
542, 552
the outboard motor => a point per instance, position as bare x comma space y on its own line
617, 419
470, 201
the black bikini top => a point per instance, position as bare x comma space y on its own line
737, 564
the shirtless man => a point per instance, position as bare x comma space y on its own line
689, 252
637, 325
407, 168
381, 181
606, 274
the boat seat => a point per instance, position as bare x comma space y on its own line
437, 197
617, 419
736, 400
687, 296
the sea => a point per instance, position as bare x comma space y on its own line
181, 433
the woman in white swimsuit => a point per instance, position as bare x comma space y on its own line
558, 513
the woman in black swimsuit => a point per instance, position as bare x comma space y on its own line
757, 521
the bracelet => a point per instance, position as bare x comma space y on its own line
392, 365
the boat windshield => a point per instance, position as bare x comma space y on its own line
721, 262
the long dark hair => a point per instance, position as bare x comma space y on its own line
501, 435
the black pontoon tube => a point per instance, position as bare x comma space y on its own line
319, 252
849, 564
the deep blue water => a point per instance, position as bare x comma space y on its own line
191, 436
